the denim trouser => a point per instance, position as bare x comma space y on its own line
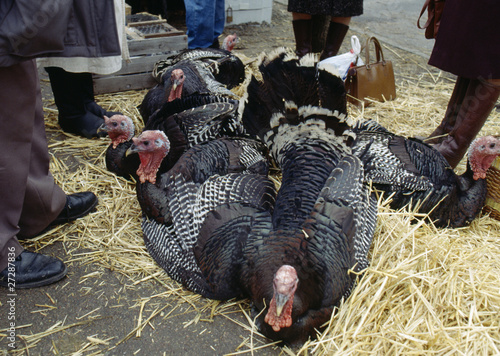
204, 21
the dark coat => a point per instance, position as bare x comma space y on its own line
62, 28
468, 41
338, 8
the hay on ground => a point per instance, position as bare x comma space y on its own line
427, 290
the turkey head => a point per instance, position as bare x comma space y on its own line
120, 128
285, 283
177, 81
482, 152
152, 146
230, 41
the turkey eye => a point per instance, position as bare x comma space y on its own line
145, 143
492, 145
114, 123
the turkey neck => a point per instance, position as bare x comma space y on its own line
284, 247
466, 179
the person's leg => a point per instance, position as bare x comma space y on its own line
219, 22
16, 130
302, 30
336, 33
44, 199
450, 117
479, 100
74, 96
17, 120
200, 17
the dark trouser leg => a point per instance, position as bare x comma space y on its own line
74, 96
19, 123
44, 199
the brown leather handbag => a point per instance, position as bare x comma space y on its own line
434, 11
371, 80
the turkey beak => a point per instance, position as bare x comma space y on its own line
102, 129
281, 300
132, 149
174, 85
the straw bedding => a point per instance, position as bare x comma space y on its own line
428, 290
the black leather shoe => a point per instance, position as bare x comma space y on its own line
77, 206
32, 270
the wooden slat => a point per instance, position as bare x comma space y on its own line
135, 31
113, 84
145, 23
143, 64
144, 53
133, 35
161, 34
157, 45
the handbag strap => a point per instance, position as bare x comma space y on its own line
378, 50
429, 18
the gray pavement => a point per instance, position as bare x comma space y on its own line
395, 23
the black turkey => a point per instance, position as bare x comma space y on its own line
224, 172
283, 77
295, 262
200, 113
225, 66
416, 174
120, 129
180, 80
196, 125
184, 126
189, 102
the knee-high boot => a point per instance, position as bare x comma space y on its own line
450, 117
334, 39
74, 96
302, 30
476, 106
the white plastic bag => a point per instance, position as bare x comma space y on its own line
343, 62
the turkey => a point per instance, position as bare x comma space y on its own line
295, 262
229, 172
414, 173
184, 126
226, 67
230, 41
120, 129
182, 79
284, 77
198, 109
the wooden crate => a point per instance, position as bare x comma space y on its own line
145, 48
492, 203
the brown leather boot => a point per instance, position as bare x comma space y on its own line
450, 117
302, 30
334, 39
478, 102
